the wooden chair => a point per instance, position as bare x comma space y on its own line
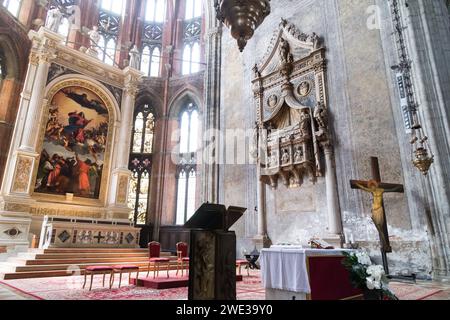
154, 249
182, 257
124, 268
93, 270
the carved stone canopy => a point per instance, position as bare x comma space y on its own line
291, 106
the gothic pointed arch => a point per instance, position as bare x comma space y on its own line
187, 95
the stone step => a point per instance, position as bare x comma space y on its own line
92, 250
55, 262
53, 273
86, 260
90, 255
54, 267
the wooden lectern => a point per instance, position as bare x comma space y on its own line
212, 271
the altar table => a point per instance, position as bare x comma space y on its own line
290, 273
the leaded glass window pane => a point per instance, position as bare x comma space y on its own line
113, 6
132, 194
193, 132
187, 178
192, 183
156, 61
186, 60
110, 52
64, 28
160, 11
143, 199
195, 58
12, 6
181, 198
184, 133
145, 61
189, 9
197, 8
150, 10
149, 131
102, 45
138, 133
141, 163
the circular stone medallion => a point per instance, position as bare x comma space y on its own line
304, 88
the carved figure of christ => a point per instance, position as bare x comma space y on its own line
378, 189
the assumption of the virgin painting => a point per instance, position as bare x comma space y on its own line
74, 145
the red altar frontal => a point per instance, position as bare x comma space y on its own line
304, 274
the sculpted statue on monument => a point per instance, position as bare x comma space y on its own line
305, 122
94, 38
54, 18
320, 115
315, 39
135, 58
285, 51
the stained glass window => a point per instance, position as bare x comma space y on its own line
193, 9
187, 168
155, 10
66, 7
191, 37
152, 36
109, 22
64, 28
141, 163
12, 6
113, 6
151, 61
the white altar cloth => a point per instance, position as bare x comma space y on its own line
283, 268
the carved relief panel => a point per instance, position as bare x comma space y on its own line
291, 106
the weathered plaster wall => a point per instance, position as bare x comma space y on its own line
365, 123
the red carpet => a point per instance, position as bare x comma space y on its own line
70, 288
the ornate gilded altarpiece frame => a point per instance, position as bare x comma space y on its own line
291, 107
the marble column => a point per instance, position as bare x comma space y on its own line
334, 211
210, 167
15, 196
23, 154
120, 179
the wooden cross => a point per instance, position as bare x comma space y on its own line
378, 188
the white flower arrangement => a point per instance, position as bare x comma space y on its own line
363, 258
366, 275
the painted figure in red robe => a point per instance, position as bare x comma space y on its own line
83, 167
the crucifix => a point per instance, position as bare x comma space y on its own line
378, 188
99, 237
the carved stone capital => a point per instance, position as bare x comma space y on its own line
131, 89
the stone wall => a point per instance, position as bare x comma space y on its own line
366, 121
